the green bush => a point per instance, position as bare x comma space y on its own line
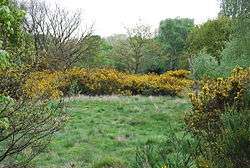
230, 148
233, 56
4, 59
176, 151
204, 65
26, 128
219, 121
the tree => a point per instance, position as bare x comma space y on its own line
154, 58
138, 37
96, 56
26, 125
239, 11
234, 8
211, 36
237, 52
173, 34
10, 23
130, 52
138, 51
56, 33
102, 58
11, 30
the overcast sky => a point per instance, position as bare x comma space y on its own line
111, 16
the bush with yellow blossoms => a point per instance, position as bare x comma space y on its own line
214, 98
45, 84
105, 82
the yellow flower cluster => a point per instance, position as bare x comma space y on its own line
105, 82
215, 95
44, 84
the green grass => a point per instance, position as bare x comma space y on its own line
111, 128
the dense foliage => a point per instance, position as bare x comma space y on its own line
215, 96
211, 36
173, 34
10, 24
104, 82
217, 132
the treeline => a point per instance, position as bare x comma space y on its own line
34, 34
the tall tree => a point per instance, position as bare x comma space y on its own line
57, 35
238, 51
172, 35
234, 8
130, 52
211, 36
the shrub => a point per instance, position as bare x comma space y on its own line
234, 143
214, 96
174, 152
44, 84
4, 59
27, 123
234, 55
104, 82
231, 147
11, 80
26, 127
204, 65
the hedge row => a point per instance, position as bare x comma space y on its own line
104, 82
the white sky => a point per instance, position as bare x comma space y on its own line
111, 16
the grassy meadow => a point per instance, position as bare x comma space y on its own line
103, 129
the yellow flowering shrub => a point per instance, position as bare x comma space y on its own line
215, 95
151, 84
104, 82
45, 84
178, 73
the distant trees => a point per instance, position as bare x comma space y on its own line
227, 39
97, 54
237, 52
53, 39
173, 34
138, 39
139, 52
211, 36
